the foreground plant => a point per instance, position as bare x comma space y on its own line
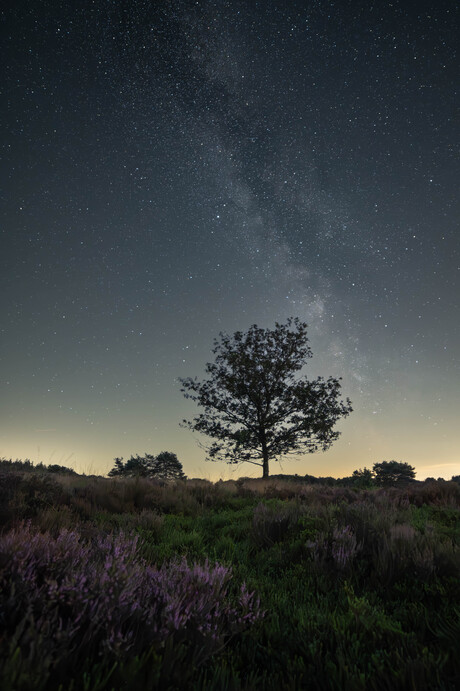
65, 600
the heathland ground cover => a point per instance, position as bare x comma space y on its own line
130, 583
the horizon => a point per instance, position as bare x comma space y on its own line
219, 478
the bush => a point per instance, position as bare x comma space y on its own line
25, 496
435, 492
272, 524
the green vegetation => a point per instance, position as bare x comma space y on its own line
257, 584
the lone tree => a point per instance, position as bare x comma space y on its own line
255, 407
165, 466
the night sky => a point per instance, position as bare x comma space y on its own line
171, 170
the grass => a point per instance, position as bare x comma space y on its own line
323, 587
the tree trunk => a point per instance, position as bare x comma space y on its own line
265, 459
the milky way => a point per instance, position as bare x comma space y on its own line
174, 169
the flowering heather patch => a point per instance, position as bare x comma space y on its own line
65, 599
344, 546
339, 550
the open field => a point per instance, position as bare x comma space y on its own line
258, 584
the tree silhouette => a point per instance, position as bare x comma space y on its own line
168, 467
362, 478
165, 466
255, 407
389, 473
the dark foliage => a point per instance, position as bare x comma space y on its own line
389, 473
255, 407
166, 466
55, 468
27, 466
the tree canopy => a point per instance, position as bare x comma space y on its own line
165, 466
255, 407
388, 473
362, 478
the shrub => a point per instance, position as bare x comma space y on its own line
337, 550
272, 524
438, 493
344, 546
25, 496
66, 601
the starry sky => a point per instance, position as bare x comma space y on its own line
176, 169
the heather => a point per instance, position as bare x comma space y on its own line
66, 598
271, 584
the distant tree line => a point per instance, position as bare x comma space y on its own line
27, 465
383, 474
166, 466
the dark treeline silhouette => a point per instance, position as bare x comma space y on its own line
383, 474
27, 465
